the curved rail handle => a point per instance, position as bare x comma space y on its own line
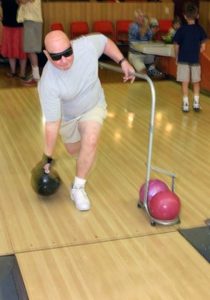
151, 124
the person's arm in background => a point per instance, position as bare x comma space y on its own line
177, 40
203, 47
114, 53
176, 50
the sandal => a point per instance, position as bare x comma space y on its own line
11, 75
22, 77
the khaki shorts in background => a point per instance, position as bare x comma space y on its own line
188, 73
32, 36
140, 60
69, 130
136, 61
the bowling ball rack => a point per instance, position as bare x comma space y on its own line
149, 167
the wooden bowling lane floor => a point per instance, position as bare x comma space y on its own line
6, 246
112, 251
161, 267
34, 223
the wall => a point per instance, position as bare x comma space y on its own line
66, 12
205, 16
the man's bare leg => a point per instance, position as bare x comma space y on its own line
86, 150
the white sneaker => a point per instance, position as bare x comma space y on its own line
196, 106
185, 107
80, 198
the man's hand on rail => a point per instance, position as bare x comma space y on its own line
128, 71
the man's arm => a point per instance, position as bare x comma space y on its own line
114, 53
51, 134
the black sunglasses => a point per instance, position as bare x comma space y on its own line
57, 56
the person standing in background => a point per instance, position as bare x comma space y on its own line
12, 39
30, 13
189, 42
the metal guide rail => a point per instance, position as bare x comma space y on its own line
149, 167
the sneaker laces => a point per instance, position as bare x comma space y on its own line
80, 190
196, 104
185, 107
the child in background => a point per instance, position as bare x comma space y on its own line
176, 24
189, 42
154, 27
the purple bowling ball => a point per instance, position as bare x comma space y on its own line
155, 186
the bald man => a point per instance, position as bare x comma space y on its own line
73, 101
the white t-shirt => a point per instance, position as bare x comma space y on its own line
67, 94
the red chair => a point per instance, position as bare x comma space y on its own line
56, 26
164, 26
122, 27
105, 27
78, 28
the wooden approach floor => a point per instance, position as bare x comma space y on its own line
112, 251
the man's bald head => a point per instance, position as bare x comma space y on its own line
59, 49
56, 41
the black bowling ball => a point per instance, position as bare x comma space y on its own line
44, 184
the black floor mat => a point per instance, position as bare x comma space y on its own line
199, 238
11, 282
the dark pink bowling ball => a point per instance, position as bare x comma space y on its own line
164, 206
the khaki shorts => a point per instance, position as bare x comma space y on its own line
187, 73
69, 130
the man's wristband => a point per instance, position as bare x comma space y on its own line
47, 159
122, 60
